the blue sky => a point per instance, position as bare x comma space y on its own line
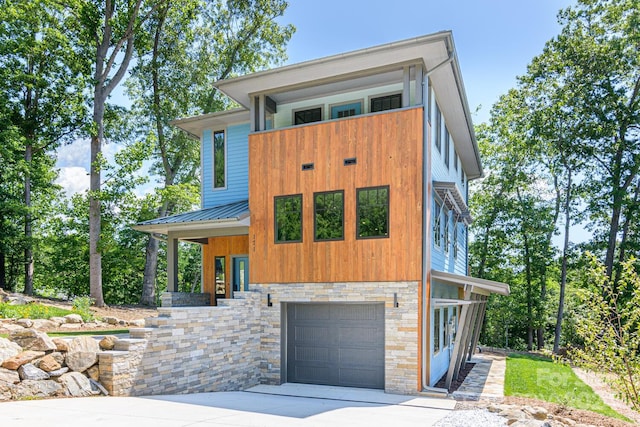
495, 40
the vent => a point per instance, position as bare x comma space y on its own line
307, 166
350, 161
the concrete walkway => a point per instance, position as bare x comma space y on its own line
281, 406
486, 379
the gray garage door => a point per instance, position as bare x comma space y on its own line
336, 344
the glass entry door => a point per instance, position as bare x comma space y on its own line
240, 274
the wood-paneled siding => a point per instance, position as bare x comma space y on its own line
227, 247
388, 148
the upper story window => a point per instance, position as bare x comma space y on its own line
328, 215
346, 110
438, 128
387, 102
455, 160
446, 230
437, 218
447, 147
455, 240
372, 212
288, 218
219, 160
311, 115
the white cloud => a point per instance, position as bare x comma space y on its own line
73, 179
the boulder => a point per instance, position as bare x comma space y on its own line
536, 412
30, 339
5, 391
29, 371
97, 387
58, 372
8, 349
25, 323
110, 320
58, 320
9, 377
75, 384
30, 388
71, 326
49, 363
61, 344
83, 343
73, 318
20, 359
94, 372
108, 342
139, 323
80, 361
11, 327
45, 324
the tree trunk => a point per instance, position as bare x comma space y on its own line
3, 272
28, 234
563, 273
95, 255
150, 270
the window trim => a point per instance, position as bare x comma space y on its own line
447, 146
455, 240
437, 329
315, 221
308, 107
382, 95
213, 159
438, 127
379, 187
275, 218
446, 238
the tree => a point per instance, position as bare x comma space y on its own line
42, 93
174, 79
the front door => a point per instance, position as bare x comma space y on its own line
240, 274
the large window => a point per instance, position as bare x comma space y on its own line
455, 240
387, 102
219, 157
311, 115
372, 212
437, 218
220, 264
288, 218
447, 147
329, 215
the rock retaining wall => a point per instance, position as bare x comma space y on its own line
188, 350
184, 299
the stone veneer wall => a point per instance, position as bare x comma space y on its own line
188, 350
401, 324
184, 299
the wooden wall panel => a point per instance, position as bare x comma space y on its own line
226, 246
388, 148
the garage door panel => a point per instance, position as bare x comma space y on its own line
336, 344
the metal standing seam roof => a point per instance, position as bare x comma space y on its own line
231, 211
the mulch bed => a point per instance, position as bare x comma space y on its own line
455, 384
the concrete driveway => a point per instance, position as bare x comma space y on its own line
281, 406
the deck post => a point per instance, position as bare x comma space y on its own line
476, 333
172, 264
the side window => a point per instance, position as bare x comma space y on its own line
328, 215
446, 230
220, 264
447, 148
455, 240
346, 110
219, 160
436, 330
455, 160
288, 218
438, 128
372, 212
437, 215
388, 102
446, 327
311, 115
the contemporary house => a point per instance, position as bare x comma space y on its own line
338, 193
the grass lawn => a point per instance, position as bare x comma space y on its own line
31, 311
540, 378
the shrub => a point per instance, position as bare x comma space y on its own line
82, 306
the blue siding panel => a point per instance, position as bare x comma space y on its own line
237, 163
440, 361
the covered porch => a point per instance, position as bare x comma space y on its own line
472, 304
223, 233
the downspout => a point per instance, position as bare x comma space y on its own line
426, 219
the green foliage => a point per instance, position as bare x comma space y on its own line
609, 327
541, 378
82, 306
31, 311
288, 212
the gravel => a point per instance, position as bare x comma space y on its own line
471, 417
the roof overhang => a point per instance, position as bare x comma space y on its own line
201, 228
479, 286
367, 68
196, 125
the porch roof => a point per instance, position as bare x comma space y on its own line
484, 285
230, 215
